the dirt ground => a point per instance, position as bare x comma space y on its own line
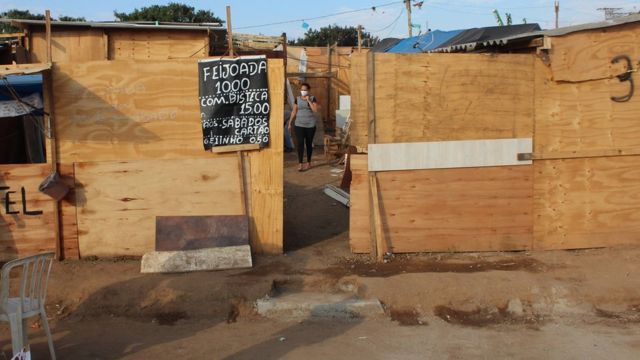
525, 305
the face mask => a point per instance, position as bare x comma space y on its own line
304, 92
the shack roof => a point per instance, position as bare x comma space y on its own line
476, 38
144, 25
525, 37
425, 42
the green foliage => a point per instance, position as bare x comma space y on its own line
173, 12
28, 15
71, 18
344, 36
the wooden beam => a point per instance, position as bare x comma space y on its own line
377, 231
11, 35
328, 109
243, 192
332, 74
234, 148
48, 34
285, 56
53, 151
229, 32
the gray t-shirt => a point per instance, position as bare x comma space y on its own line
305, 117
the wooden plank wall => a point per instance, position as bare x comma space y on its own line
121, 199
586, 55
22, 234
157, 44
68, 45
439, 97
144, 112
586, 195
465, 209
581, 191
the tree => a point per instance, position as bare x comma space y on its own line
344, 36
28, 15
173, 12
71, 18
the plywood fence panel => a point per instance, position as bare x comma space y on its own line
586, 55
23, 234
111, 110
148, 110
467, 209
129, 110
359, 216
437, 97
68, 46
575, 118
588, 202
472, 209
120, 200
157, 45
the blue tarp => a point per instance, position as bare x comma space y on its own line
422, 43
24, 85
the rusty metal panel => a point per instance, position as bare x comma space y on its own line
175, 233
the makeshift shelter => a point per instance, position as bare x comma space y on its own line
121, 104
499, 151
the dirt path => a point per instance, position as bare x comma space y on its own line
557, 305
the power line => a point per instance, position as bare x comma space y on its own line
322, 16
388, 26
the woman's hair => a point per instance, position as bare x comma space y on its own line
305, 84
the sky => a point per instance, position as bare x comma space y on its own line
388, 20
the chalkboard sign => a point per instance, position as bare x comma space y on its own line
234, 101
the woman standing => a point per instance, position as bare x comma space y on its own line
305, 124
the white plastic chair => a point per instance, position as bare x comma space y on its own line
30, 300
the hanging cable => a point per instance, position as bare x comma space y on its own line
322, 16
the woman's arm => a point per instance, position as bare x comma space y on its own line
294, 112
313, 104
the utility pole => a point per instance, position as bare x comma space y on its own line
556, 9
408, 5
359, 38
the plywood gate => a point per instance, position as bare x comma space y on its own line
444, 98
582, 188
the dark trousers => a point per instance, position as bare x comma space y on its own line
304, 136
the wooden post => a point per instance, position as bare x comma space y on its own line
229, 32
329, 48
408, 5
359, 38
556, 9
48, 35
375, 218
284, 50
243, 195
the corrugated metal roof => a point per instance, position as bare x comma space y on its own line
423, 43
591, 26
122, 25
477, 38
536, 34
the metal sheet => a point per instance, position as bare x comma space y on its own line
175, 233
